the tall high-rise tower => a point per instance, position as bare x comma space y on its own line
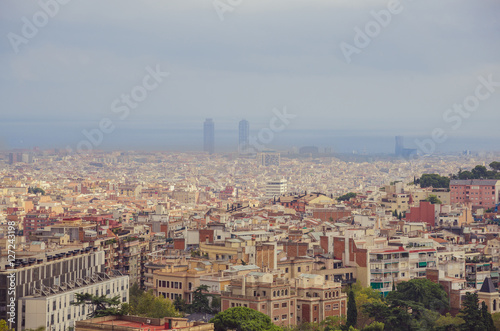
399, 146
243, 136
208, 136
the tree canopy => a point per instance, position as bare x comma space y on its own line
362, 296
352, 310
346, 197
36, 190
475, 318
434, 200
242, 319
148, 305
480, 172
431, 295
414, 305
434, 180
100, 305
4, 326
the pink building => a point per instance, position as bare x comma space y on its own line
478, 192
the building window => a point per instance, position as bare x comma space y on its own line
283, 305
328, 307
276, 305
283, 317
335, 306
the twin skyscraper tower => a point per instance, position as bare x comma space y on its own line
209, 136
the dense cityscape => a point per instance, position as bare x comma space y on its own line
249, 165
304, 239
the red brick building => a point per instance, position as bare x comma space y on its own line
38, 219
425, 212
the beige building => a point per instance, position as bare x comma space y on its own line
263, 292
318, 299
419, 194
180, 280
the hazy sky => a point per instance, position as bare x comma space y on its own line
264, 54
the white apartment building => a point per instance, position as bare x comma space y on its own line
276, 188
51, 307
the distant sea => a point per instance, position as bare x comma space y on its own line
347, 141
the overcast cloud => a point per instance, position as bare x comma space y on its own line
264, 54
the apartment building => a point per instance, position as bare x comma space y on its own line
181, 279
263, 292
276, 188
318, 299
37, 220
476, 271
50, 271
50, 307
478, 192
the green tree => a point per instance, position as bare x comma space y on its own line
135, 293
36, 190
496, 320
434, 180
242, 319
432, 296
479, 172
394, 317
154, 307
100, 305
375, 326
346, 197
330, 323
180, 304
489, 325
352, 310
201, 301
414, 305
4, 326
362, 296
434, 200
215, 304
495, 165
448, 323
471, 314
465, 175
